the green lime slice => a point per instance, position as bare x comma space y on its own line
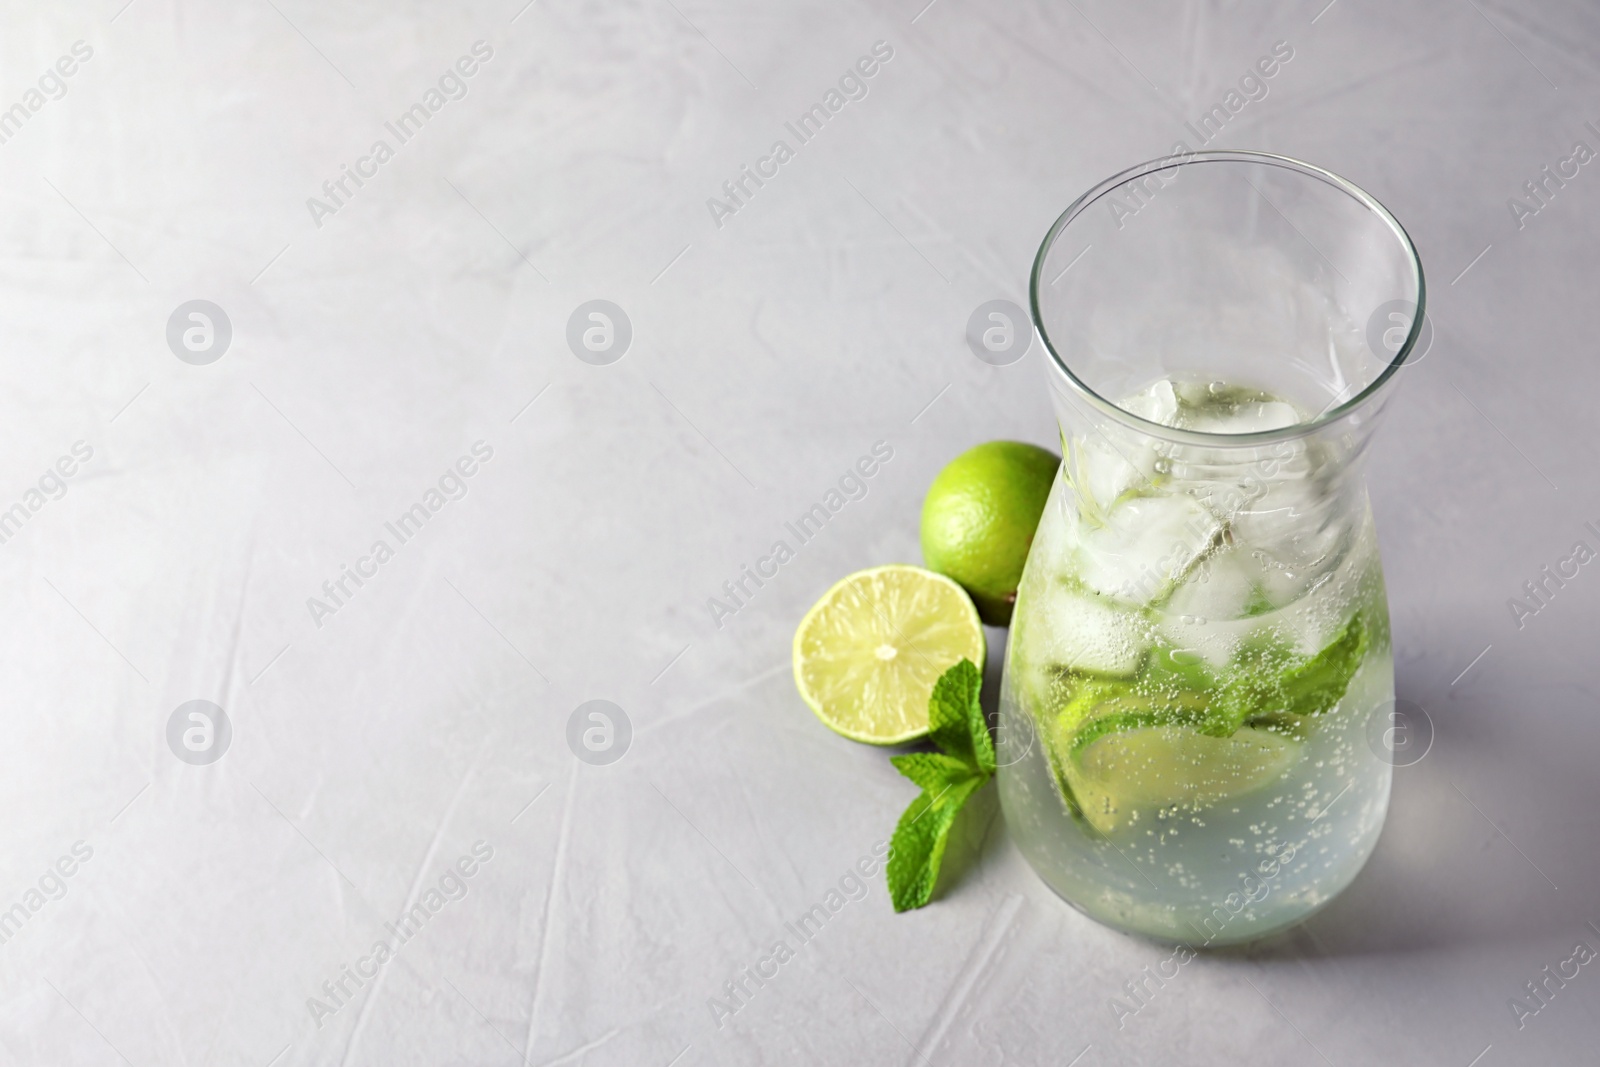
867, 655
1125, 761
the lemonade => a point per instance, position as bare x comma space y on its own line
1200, 639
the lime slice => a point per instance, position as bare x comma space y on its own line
867, 654
1129, 761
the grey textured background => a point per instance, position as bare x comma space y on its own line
430, 712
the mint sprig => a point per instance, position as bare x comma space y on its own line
957, 726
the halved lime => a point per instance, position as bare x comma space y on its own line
867, 654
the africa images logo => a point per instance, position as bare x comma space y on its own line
452, 85
52, 86
452, 486
852, 85
453, 885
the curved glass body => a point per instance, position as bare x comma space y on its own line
1201, 637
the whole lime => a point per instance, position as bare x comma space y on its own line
979, 518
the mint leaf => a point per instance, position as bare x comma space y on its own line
1319, 684
956, 724
917, 848
931, 770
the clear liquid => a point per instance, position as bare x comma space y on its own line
1185, 748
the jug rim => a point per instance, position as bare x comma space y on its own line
1288, 433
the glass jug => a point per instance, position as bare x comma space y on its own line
1200, 643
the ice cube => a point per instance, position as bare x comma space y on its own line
1082, 632
1222, 586
1206, 615
1145, 547
1111, 464
1109, 461
1217, 407
1255, 416
1301, 524
1229, 479
1237, 470
1099, 474
1320, 614
1158, 403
